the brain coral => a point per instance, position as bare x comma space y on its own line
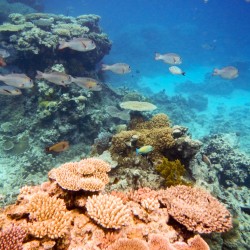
88, 174
108, 211
195, 208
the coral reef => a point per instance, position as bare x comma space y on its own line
64, 219
88, 174
35, 38
171, 171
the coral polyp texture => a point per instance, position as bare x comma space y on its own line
12, 238
88, 174
196, 209
108, 211
57, 218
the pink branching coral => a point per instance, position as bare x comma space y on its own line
197, 209
12, 238
88, 174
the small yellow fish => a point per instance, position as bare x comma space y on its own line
78, 44
144, 150
176, 70
87, 83
229, 72
169, 58
20, 81
118, 68
58, 147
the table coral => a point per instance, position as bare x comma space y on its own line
196, 209
88, 174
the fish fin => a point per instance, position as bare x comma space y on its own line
39, 74
157, 56
62, 45
183, 73
47, 150
104, 67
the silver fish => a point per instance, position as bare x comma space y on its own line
118, 68
9, 90
79, 44
87, 83
229, 72
58, 78
169, 58
20, 81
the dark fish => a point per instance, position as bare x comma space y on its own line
58, 147
246, 210
206, 160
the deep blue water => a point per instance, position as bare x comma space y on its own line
212, 34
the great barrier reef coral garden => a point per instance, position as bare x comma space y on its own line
86, 166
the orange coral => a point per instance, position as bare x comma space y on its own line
12, 238
49, 216
129, 244
195, 243
196, 209
108, 211
88, 174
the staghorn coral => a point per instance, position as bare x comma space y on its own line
172, 172
49, 216
108, 211
12, 238
88, 174
196, 209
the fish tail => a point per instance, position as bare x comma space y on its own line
105, 67
62, 45
137, 151
157, 56
39, 74
183, 73
47, 150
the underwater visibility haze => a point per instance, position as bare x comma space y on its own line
125, 124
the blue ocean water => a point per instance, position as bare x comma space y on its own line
206, 34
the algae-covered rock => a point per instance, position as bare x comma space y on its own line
8, 27
36, 37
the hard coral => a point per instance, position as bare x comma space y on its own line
88, 174
155, 132
12, 238
127, 244
108, 211
49, 216
196, 209
172, 171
